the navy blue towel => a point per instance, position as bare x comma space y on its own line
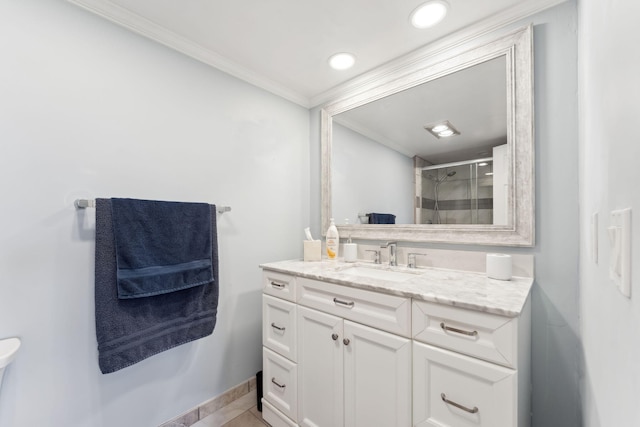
131, 330
161, 246
378, 218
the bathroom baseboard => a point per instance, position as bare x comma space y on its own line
210, 406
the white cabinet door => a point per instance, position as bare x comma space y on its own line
320, 364
453, 390
377, 384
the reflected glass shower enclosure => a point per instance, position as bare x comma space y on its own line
456, 193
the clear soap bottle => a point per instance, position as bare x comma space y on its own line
332, 241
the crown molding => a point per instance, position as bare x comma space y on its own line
410, 62
155, 32
407, 63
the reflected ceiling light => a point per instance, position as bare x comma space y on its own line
443, 129
440, 128
483, 164
342, 61
429, 14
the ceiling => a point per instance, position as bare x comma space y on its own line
283, 45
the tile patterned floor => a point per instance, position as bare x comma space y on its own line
239, 413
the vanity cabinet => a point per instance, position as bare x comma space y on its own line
343, 356
346, 368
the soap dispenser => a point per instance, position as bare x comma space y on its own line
332, 241
350, 251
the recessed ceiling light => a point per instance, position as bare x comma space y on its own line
442, 129
342, 61
429, 14
483, 164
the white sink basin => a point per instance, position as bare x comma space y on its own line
378, 273
8, 349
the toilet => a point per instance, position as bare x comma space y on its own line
8, 349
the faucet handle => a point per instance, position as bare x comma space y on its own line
376, 258
411, 259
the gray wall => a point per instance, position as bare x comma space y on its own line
379, 180
89, 109
555, 328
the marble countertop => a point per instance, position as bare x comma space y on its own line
451, 287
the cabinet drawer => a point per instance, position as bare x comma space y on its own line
279, 383
482, 335
279, 285
279, 326
387, 312
274, 417
452, 390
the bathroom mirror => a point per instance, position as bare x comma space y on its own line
380, 155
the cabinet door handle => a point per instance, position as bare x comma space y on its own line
346, 341
458, 331
349, 304
280, 328
457, 405
334, 336
277, 285
273, 380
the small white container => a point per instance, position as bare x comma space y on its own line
350, 251
499, 266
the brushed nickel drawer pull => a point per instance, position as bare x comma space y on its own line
273, 380
457, 405
280, 328
346, 341
349, 304
459, 331
334, 336
277, 285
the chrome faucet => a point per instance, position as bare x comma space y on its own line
393, 261
411, 259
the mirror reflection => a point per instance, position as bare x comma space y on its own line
467, 192
393, 161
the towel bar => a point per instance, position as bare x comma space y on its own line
88, 203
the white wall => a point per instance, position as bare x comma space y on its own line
609, 177
88, 109
382, 183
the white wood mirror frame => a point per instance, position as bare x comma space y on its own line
518, 49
